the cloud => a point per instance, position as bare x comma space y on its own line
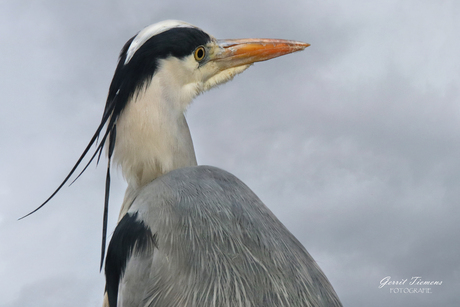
353, 143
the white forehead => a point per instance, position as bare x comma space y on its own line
152, 30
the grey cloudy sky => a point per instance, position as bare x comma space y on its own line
354, 143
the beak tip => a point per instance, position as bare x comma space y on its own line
302, 45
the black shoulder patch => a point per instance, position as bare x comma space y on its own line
130, 235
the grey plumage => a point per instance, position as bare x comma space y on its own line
190, 235
217, 244
193, 235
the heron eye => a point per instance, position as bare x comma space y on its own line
200, 52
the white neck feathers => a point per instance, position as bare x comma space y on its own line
153, 137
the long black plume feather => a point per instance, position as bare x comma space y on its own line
99, 149
112, 110
113, 136
106, 215
114, 106
130, 77
91, 142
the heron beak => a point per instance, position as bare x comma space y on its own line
238, 52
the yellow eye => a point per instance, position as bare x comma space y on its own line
200, 53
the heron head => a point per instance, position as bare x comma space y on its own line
188, 61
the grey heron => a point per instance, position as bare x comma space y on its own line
191, 235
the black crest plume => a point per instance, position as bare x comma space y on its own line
130, 77
116, 101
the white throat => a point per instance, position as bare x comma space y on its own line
153, 137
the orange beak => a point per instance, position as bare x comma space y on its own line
238, 52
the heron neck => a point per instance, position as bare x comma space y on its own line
152, 138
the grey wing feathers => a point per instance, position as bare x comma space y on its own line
217, 244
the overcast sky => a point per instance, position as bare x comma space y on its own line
354, 143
